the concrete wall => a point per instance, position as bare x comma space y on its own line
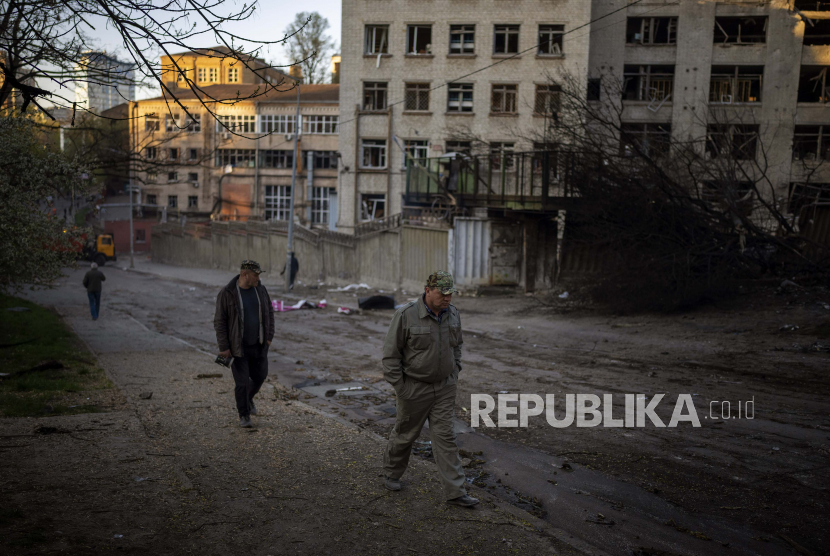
389, 259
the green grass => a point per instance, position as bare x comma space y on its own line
47, 338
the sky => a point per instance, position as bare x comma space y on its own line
268, 23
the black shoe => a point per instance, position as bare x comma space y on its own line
465, 501
392, 484
245, 422
252, 406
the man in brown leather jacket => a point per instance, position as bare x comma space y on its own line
244, 324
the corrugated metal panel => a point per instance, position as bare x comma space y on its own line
423, 251
471, 251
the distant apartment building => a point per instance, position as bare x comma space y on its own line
411, 75
755, 72
239, 167
103, 82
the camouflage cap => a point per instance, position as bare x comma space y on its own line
251, 265
442, 280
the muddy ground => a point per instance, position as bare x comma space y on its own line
737, 486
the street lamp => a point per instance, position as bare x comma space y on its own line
289, 258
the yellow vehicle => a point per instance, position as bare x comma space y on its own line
101, 249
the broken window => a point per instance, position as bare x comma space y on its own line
547, 99
740, 30
731, 84
416, 97
503, 99
804, 195
550, 40
817, 34
812, 5
373, 153
462, 39
372, 206
374, 95
811, 142
377, 39
506, 39
418, 39
594, 88
813, 84
738, 141
459, 147
416, 148
646, 139
648, 82
460, 97
651, 30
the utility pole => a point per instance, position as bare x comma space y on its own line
132, 234
290, 250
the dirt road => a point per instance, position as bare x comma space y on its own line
737, 486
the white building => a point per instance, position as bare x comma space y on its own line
104, 82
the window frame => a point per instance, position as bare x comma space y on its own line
415, 148
460, 89
277, 201
648, 31
321, 124
379, 91
233, 75
721, 36
173, 201
821, 151
192, 201
552, 91
382, 154
282, 124
418, 91
320, 205
412, 39
462, 30
729, 132
384, 39
653, 140
735, 81
551, 30
510, 31
644, 78
507, 95
152, 123
377, 199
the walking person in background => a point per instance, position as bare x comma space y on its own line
295, 266
244, 324
92, 283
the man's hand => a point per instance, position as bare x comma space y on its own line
225, 354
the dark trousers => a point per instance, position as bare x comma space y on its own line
249, 372
94, 303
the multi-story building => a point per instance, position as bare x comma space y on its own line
104, 82
412, 82
755, 72
240, 166
216, 66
